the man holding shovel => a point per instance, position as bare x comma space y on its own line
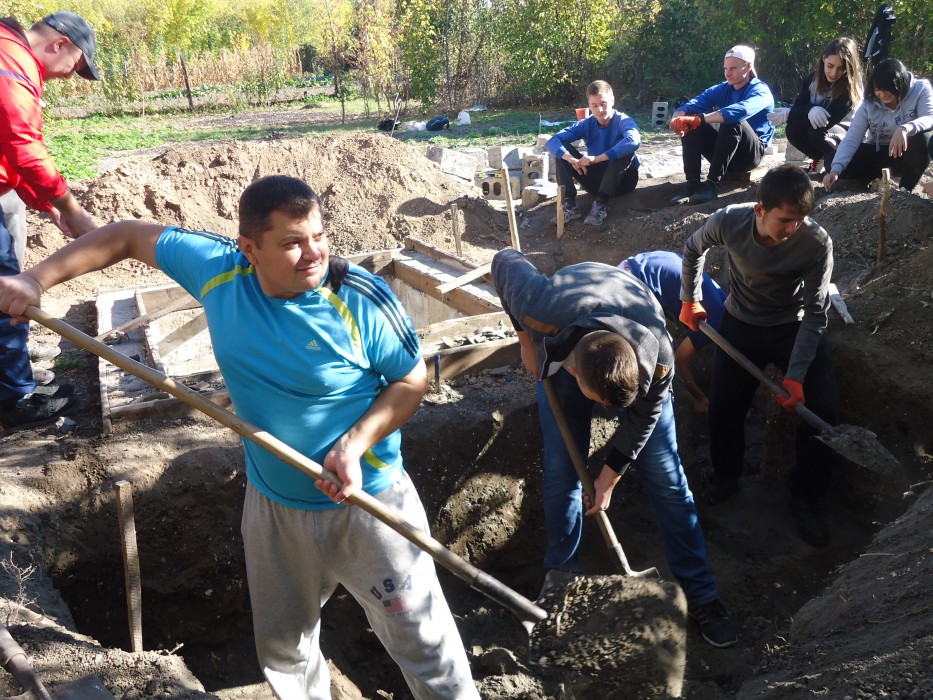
320, 354
598, 336
780, 264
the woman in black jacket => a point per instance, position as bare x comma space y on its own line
819, 118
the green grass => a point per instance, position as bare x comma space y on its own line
79, 145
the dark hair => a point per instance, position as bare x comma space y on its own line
787, 186
282, 193
607, 365
891, 76
851, 81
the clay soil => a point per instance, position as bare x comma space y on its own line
852, 620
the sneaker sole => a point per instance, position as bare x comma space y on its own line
73, 402
723, 645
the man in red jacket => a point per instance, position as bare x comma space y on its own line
55, 47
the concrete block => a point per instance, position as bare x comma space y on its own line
509, 156
542, 139
539, 191
491, 184
534, 167
772, 150
453, 162
479, 155
659, 118
551, 168
792, 155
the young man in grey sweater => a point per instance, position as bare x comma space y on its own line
781, 262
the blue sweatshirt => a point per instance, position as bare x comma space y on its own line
752, 102
618, 139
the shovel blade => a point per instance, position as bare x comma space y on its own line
87, 688
860, 446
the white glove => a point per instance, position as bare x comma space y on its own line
779, 116
818, 117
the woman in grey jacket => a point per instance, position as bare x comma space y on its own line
821, 113
891, 129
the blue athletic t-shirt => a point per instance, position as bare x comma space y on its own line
302, 369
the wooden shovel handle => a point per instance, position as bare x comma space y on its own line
753, 369
523, 608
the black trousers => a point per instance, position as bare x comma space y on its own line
733, 388
731, 148
608, 179
816, 143
867, 162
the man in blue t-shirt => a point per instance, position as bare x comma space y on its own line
320, 354
609, 168
661, 271
727, 124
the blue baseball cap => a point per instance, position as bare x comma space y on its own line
81, 35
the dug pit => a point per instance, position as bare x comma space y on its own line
474, 452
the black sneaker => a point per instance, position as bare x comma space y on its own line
35, 409
688, 191
705, 193
715, 626
571, 212
722, 489
811, 526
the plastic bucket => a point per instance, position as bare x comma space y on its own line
582, 113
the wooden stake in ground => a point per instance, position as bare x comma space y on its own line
134, 604
882, 212
510, 209
560, 212
455, 224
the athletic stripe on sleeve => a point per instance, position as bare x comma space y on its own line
18, 76
225, 277
348, 319
390, 308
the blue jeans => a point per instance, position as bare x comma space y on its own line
15, 371
661, 473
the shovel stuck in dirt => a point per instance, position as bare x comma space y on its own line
858, 445
14, 660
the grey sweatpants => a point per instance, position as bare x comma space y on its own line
296, 558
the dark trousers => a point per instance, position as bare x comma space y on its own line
733, 148
816, 143
867, 162
15, 371
608, 179
733, 388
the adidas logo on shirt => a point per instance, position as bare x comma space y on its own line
312, 346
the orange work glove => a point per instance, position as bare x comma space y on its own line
681, 125
691, 314
795, 389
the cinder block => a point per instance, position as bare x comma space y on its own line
659, 118
551, 168
509, 156
534, 167
479, 155
490, 183
538, 192
542, 140
792, 155
772, 150
453, 162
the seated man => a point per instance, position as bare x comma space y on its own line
660, 271
727, 123
609, 168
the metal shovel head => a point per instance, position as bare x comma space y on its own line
87, 688
860, 446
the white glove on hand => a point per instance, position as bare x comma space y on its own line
779, 116
818, 117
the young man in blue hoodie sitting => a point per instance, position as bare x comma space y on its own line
609, 168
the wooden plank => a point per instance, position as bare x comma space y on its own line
416, 274
882, 212
462, 326
560, 212
455, 224
510, 209
480, 271
170, 407
132, 578
473, 358
413, 244
378, 262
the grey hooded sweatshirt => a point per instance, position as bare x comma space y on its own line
558, 310
874, 123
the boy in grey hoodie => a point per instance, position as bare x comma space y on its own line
891, 129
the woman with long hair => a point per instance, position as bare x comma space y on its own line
820, 116
891, 129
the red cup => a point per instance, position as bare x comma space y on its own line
582, 113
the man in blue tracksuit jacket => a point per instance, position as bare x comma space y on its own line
726, 123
